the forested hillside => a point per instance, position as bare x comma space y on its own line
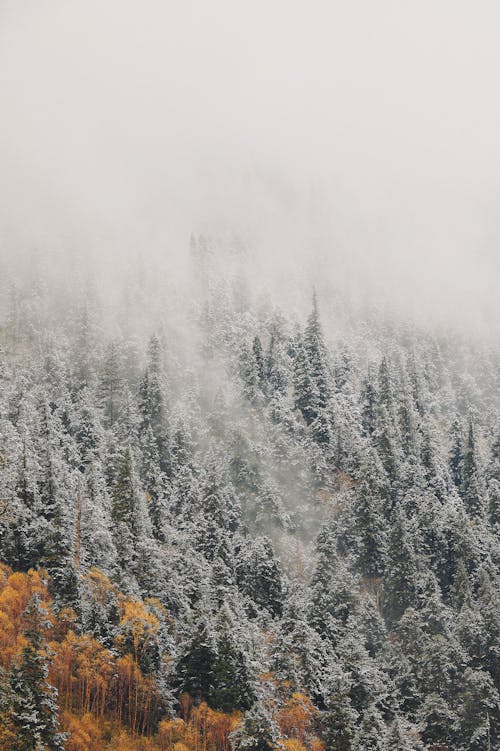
253, 531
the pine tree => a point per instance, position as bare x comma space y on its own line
479, 704
397, 738
370, 531
472, 487
457, 453
306, 392
494, 504
33, 711
47, 482
401, 576
257, 732
258, 357
385, 388
408, 421
154, 483
372, 732
152, 406
316, 353
368, 684
196, 665
369, 400
488, 605
386, 442
439, 721
277, 361
130, 521
342, 370
302, 659
93, 513
87, 432
461, 594
434, 474
125, 506
111, 385
259, 576
340, 717
251, 372
494, 465
232, 687
59, 560
333, 591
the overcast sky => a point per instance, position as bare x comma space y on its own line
365, 131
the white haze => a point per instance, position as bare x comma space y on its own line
353, 141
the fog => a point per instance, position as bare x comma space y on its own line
355, 142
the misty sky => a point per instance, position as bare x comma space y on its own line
366, 133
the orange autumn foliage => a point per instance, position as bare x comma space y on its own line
317, 745
170, 732
82, 670
85, 733
298, 717
99, 586
16, 590
106, 702
138, 624
292, 744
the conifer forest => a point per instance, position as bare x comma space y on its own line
267, 537
249, 375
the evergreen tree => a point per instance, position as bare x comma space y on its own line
111, 385
372, 732
305, 388
461, 594
251, 371
258, 357
472, 487
257, 732
277, 361
152, 406
386, 442
259, 576
401, 576
33, 711
369, 400
479, 709
494, 504
302, 659
439, 720
371, 533
125, 506
333, 592
398, 739
197, 662
457, 453
340, 717
232, 687
316, 353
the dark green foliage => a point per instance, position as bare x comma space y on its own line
31, 702
258, 731
371, 533
259, 576
232, 684
125, 507
213, 666
152, 407
473, 492
371, 735
340, 721
401, 575
195, 668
